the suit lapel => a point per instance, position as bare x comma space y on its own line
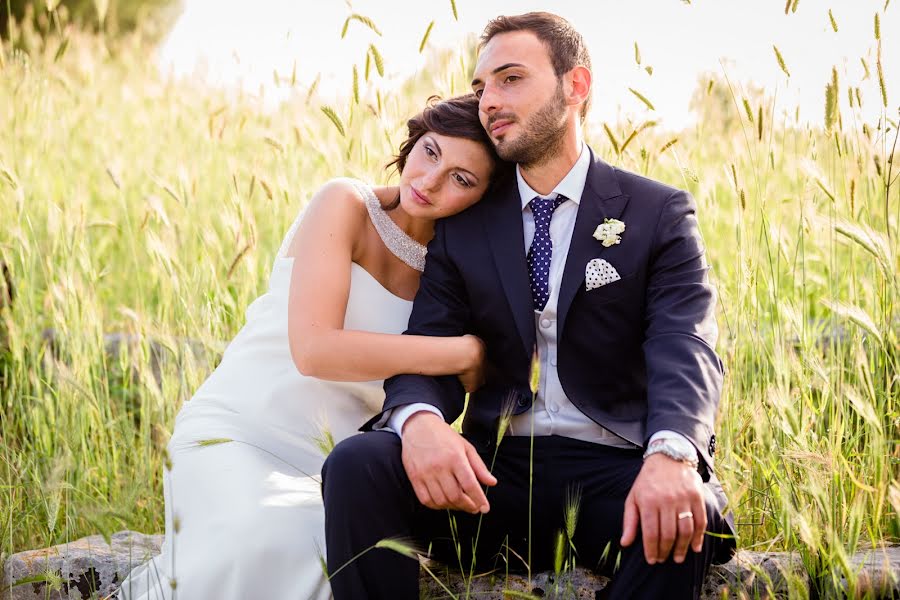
602, 199
507, 241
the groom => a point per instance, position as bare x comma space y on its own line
600, 275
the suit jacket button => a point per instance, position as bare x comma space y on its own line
712, 445
522, 401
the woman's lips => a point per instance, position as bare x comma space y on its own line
419, 197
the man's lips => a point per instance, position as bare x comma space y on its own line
419, 196
499, 126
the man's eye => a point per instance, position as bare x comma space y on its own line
478, 93
511, 78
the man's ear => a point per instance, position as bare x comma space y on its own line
578, 85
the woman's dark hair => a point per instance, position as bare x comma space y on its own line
454, 117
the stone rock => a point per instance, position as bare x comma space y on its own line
91, 568
86, 568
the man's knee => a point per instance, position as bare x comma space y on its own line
361, 459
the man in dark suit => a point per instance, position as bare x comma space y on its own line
599, 276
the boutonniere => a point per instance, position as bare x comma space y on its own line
609, 233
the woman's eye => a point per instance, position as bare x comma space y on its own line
430, 152
461, 180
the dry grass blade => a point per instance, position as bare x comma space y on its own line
401, 546
274, 143
612, 138
237, 259
453, 8
780, 60
831, 18
668, 145
881, 84
313, 87
361, 19
213, 442
856, 315
376, 57
355, 85
872, 242
748, 109
637, 54
334, 118
642, 98
425, 37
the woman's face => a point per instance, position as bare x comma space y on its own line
443, 176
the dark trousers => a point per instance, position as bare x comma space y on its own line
368, 498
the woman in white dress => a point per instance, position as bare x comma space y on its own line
244, 514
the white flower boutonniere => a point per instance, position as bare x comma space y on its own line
609, 233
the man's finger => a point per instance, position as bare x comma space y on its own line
629, 522
685, 526
482, 473
650, 530
699, 510
668, 532
456, 498
422, 493
438, 500
469, 484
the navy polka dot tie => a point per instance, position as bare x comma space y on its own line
541, 249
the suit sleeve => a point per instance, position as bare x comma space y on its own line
440, 309
684, 374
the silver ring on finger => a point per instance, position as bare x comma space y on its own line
685, 514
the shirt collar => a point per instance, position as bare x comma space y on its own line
571, 186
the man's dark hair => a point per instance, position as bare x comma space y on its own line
564, 44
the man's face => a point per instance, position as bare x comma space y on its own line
522, 103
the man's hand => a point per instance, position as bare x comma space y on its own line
444, 469
664, 489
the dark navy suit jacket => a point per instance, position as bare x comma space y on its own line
635, 355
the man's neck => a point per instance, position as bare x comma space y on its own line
546, 175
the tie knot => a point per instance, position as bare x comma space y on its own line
544, 207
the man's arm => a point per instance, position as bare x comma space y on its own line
444, 469
684, 380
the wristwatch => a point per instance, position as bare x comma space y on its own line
674, 448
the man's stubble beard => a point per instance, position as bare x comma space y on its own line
542, 135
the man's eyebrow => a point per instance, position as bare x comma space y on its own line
497, 70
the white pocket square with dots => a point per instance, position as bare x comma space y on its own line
598, 273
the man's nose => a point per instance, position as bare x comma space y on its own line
490, 100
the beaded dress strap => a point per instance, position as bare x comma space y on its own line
395, 239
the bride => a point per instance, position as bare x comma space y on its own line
244, 514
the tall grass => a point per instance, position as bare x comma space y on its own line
130, 203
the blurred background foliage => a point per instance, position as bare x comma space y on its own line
153, 17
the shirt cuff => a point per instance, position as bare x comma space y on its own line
673, 437
396, 418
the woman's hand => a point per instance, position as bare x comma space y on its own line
472, 375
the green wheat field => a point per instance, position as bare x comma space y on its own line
151, 209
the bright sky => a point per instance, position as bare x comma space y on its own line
679, 40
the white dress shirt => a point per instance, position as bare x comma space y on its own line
551, 413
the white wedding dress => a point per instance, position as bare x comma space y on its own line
244, 513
